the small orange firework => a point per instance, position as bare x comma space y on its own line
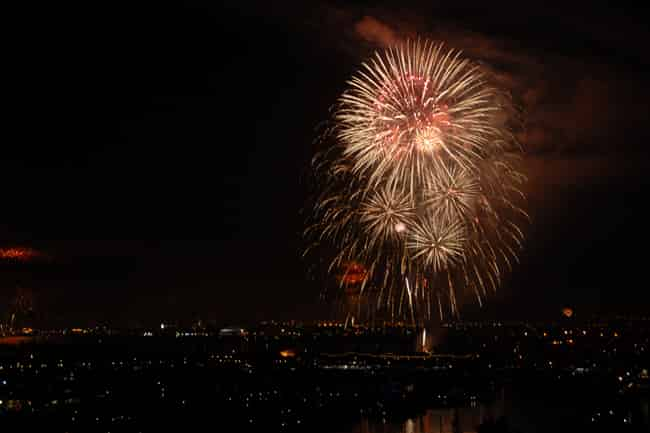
19, 254
567, 312
354, 273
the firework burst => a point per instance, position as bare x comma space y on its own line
419, 186
386, 213
439, 245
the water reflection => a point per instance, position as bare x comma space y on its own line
440, 420
512, 411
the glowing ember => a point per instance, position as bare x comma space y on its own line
567, 312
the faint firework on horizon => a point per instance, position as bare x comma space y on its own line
20, 254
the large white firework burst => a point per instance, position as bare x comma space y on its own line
419, 187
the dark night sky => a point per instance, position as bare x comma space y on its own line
157, 154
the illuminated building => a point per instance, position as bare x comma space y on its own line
232, 331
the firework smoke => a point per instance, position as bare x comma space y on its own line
418, 186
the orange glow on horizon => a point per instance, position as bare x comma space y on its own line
289, 353
15, 340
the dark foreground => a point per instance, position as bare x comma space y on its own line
215, 383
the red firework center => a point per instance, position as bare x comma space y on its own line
408, 115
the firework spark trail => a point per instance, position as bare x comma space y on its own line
420, 187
